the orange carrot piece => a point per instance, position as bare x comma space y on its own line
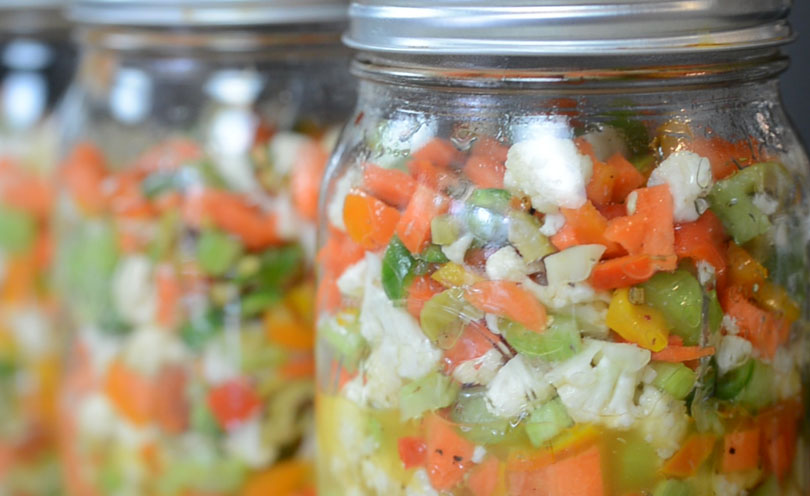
627, 177
510, 300
702, 240
305, 182
600, 187
483, 479
412, 451
232, 402
169, 294
743, 270
132, 394
484, 171
283, 328
339, 253
650, 230
413, 227
486, 146
741, 450
474, 342
19, 281
724, 156
448, 454
369, 222
578, 475
83, 173
625, 271
282, 479
439, 152
676, 354
171, 409
694, 451
392, 186
168, 155
424, 172
585, 225
24, 190
422, 289
766, 331
232, 213
779, 426
298, 367
328, 297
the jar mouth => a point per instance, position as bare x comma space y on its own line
223, 13
566, 27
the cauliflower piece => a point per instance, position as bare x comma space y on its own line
689, 177
552, 223
599, 384
606, 142
735, 483
283, 151
244, 442
96, 416
706, 272
788, 380
664, 421
419, 485
732, 352
590, 317
572, 265
134, 294
479, 370
765, 203
379, 385
457, 249
550, 171
478, 454
729, 324
563, 295
377, 479
515, 387
334, 211
353, 280
221, 361
31, 331
393, 329
149, 348
506, 264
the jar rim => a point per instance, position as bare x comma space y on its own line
211, 13
566, 27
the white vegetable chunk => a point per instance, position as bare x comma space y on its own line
516, 386
689, 177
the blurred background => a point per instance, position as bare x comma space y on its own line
795, 79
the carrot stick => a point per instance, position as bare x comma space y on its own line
392, 186
305, 183
282, 479
369, 222
741, 450
510, 300
694, 451
676, 354
448, 454
413, 227
422, 289
439, 152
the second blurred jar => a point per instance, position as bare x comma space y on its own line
199, 135
36, 63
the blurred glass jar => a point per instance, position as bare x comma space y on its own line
565, 252
36, 64
198, 137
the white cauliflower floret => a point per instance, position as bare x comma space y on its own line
765, 203
729, 324
96, 416
334, 211
420, 485
379, 385
386, 326
664, 421
134, 293
598, 384
353, 280
590, 317
31, 331
479, 370
149, 348
506, 264
735, 483
552, 223
732, 352
283, 151
244, 442
377, 479
607, 142
550, 171
456, 250
788, 381
689, 177
221, 360
563, 295
706, 272
478, 454
572, 265
516, 386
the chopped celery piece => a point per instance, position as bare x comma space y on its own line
427, 393
444, 316
547, 421
396, 267
200, 328
703, 405
525, 235
730, 384
679, 298
731, 199
768, 488
202, 420
279, 266
217, 252
675, 378
477, 423
434, 254
673, 487
452, 274
349, 344
17, 230
217, 475
759, 392
444, 229
560, 341
715, 312
635, 460
486, 214
634, 130
374, 430
256, 302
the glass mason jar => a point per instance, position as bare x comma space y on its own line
36, 63
565, 253
198, 134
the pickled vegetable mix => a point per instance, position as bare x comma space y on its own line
606, 308
192, 301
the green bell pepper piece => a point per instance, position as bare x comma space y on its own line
679, 297
560, 341
731, 199
396, 268
217, 252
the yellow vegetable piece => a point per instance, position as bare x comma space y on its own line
638, 324
301, 299
283, 479
743, 269
452, 275
775, 298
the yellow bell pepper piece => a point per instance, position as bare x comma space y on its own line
743, 269
640, 324
775, 298
452, 275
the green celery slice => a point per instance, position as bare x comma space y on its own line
525, 235
18, 229
731, 384
679, 297
349, 344
430, 392
547, 421
674, 378
444, 229
673, 487
444, 316
217, 252
477, 423
560, 341
731, 199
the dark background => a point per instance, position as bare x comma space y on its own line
795, 85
